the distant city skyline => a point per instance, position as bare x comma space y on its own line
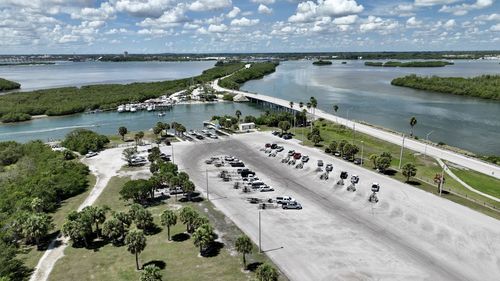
233, 26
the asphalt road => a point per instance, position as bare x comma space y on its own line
339, 235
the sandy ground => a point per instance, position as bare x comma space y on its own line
409, 235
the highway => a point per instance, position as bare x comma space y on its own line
415, 145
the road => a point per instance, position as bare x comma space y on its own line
460, 159
409, 235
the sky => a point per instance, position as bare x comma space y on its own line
211, 26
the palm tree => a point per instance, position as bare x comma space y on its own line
114, 230
36, 226
266, 272
151, 273
238, 114
244, 246
168, 218
188, 187
136, 243
413, 122
97, 215
409, 170
203, 236
188, 216
122, 131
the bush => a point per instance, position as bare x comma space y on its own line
15, 117
83, 141
6, 85
328, 150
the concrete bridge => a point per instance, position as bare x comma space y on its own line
412, 144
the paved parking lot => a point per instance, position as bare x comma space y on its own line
408, 235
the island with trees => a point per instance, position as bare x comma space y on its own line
431, 63
69, 100
6, 85
322, 62
255, 71
484, 86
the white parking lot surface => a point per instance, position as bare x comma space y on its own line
408, 235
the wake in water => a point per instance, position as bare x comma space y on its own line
50, 130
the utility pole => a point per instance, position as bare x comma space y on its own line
441, 182
426, 142
353, 132
206, 176
260, 236
173, 160
362, 146
401, 154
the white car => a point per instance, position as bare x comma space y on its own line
91, 154
266, 189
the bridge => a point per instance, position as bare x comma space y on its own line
398, 139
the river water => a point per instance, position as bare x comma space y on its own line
365, 94
362, 93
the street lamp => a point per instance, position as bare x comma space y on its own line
427, 141
401, 154
362, 146
260, 235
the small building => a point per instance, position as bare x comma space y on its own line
240, 98
246, 126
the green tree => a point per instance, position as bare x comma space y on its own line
284, 126
36, 226
266, 272
138, 137
374, 158
238, 114
78, 227
136, 190
188, 216
37, 205
114, 230
383, 163
136, 243
168, 219
97, 215
244, 246
142, 218
316, 139
122, 131
188, 187
413, 122
129, 153
333, 146
409, 170
203, 236
151, 273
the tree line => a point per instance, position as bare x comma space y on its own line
69, 100
484, 86
34, 180
6, 85
255, 71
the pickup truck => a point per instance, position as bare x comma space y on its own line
292, 205
284, 199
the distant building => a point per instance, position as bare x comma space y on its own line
125, 54
246, 126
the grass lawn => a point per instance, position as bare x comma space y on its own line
29, 254
479, 181
179, 259
427, 167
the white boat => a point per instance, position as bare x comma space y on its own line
121, 108
133, 109
150, 107
127, 107
161, 114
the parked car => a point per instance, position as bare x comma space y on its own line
292, 205
337, 154
320, 163
200, 137
284, 199
175, 190
91, 154
246, 173
297, 155
291, 152
164, 157
274, 146
279, 148
275, 133
329, 167
268, 145
237, 164
287, 136
305, 159
357, 161
229, 158
266, 189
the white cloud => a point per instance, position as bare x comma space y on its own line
427, 3
373, 23
189, 25
244, 22
495, 27
233, 13
413, 22
266, 2
169, 18
214, 28
207, 5
463, 9
492, 17
116, 31
104, 12
68, 38
263, 9
144, 8
347, 20
309, 11
449, 24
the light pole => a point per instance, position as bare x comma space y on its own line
172, 145
362, 146
441, 182
401, 154
206, 176
426, 142
260, 236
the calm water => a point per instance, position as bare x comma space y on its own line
61, 74
191, 116
365, 94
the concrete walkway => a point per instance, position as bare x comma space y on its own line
460, 159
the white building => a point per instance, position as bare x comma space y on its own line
246, 126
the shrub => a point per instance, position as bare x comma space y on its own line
83, 141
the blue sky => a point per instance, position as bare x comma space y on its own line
206, 26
